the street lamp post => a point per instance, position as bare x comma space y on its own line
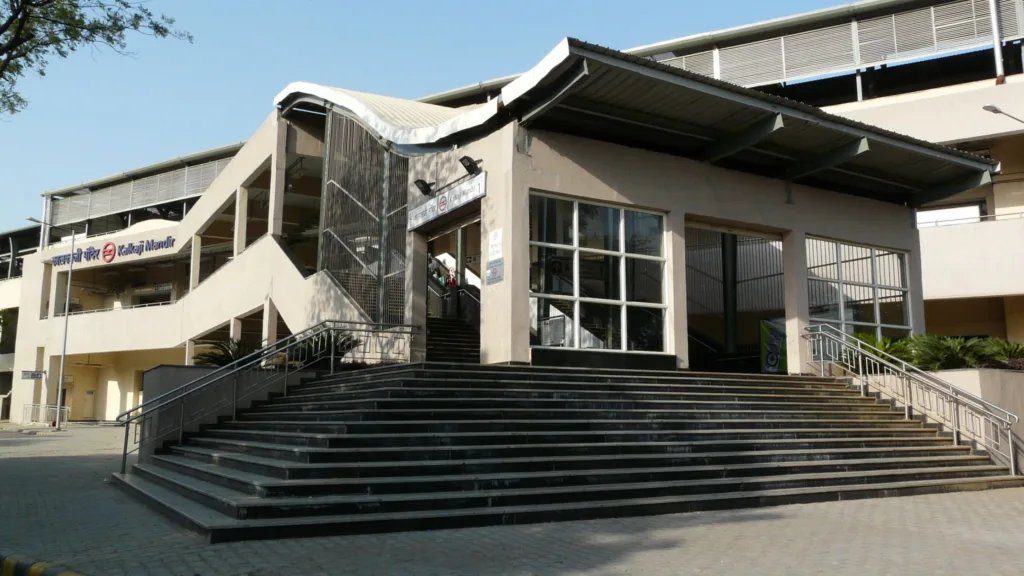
67, 310
997, 110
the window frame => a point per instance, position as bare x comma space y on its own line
622, 255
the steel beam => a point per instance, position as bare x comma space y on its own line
576, 77
951, 187
827, 160
744, 139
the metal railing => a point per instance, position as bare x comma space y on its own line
60, 313
326, 347
971, 220
44, 413
968, 417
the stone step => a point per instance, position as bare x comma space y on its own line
549, 437
342, 416
289, 469
371, 427
245, 506
217, 527
254, 483
266, 447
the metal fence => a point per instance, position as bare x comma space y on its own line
44, 414
328, 346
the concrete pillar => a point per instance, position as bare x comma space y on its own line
916, 285
278, 166
269, 322
676, 322
197, 252
729, 287
416, 292
241, 219
190, 352
235, 328
794, 267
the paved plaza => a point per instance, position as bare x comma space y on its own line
55, 505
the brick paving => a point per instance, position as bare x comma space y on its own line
56, 506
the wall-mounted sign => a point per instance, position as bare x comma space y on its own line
459, 195
33, 374
111, 251
495, 271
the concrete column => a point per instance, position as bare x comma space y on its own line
241, 219
676, 321
269, 322
914, 281
197, 252
278, 166
794, 267
729, 288
190, 352
235, 328
416, 292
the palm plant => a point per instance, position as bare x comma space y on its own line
895, 348
933, 352
225, 353
1009, 353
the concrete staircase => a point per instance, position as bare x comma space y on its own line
454, 445
452, 341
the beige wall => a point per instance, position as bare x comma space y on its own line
966, 317
1004, 388
1013, 307
1008, 185
973, 260
949, 114
10, 293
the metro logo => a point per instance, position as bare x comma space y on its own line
108, 252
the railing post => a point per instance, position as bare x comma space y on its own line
234, 397
907, 396
860, 370
181, 422
287, 363
1013, 451
956, 421
124, 453
333, 345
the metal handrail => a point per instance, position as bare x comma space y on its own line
964, 414
972, 220
59, 313
294, 355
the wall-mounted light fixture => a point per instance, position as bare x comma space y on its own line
424, 186
470, 165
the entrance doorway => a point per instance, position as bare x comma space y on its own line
735, 301
454, 273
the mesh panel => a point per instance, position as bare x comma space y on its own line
364, 219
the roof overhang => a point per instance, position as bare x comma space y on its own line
604, 94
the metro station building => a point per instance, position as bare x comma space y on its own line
604, 208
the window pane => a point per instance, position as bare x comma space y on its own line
600, 326
890, 269
644, 233
821, 259
859, 302
644, 281
599, 228
856, 264
954, 215
824, 299
550, 220
550, 270
599, 276
646, 329
551, 322
892, 306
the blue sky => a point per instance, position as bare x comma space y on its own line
98, 113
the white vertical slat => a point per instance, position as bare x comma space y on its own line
819, 51
1010, 14
914, 33
753, 64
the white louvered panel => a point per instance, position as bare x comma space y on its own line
208, 172
677, 62
753, 64
100, 203
877, 40
144, 192
79, 208
222, 164
121, 197
819, 51
171, 185
1010, 14
60, 210
701, 63
954, 25
914, 32
193, 183
982, 19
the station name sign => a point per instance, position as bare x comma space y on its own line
111, 251
459, 195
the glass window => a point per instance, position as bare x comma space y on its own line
644, 281
600, 326
871, 283
596, 276
599, 276
646, 328
644, 233
550, 220
599, 227
551, 270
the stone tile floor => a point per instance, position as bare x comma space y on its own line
56, 506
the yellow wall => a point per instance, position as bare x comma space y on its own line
1014, 309
114, 380
966, 317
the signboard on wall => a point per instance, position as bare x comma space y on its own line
455, 197
33, 374
112, 251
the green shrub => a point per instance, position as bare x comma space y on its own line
225, 353
933, 352
896, 348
